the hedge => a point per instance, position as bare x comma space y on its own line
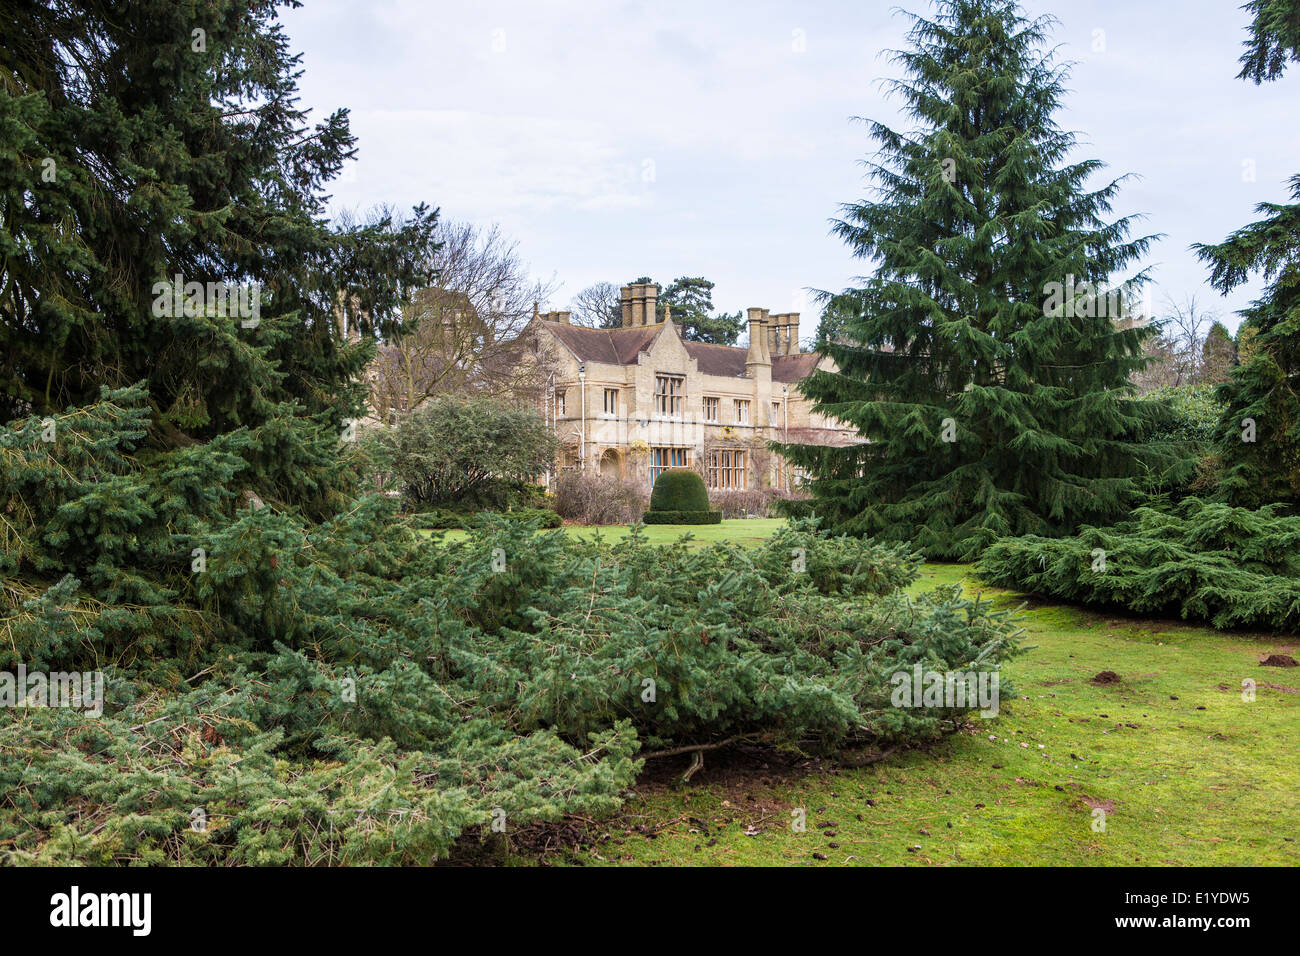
679, 489
679, 497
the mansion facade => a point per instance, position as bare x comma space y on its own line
635, 400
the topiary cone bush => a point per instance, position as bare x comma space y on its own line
679, 497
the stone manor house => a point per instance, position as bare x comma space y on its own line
635, 400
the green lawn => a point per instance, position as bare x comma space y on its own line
738, 530
1186, 771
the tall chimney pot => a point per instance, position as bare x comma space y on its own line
625, 304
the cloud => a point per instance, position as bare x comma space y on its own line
492, 163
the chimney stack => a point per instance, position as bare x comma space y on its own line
758, 351
783, 334
639, 304
625, 304
776, 333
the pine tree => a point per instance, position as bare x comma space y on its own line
982, 365
690, 299
1259, 435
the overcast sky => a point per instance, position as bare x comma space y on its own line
619, 139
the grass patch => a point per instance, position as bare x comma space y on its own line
743, 531
1186, 771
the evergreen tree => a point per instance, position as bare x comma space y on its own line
330, 689
155, 143
983, 364
691, 301
182, 331
1274, 39
1218, 355
1259, 436
836, 315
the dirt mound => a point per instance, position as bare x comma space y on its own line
1279, 660
1107, 677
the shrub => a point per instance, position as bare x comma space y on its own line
760, 502
341, 692
679, 489
1233, 567
470, 453
1190, 425
439, 519
679, 497
597, 499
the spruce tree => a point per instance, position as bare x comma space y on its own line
981, 362
1259, 435
182, 331
155, 140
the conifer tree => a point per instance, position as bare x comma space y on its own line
1218, 354
981, 362
159, 144
691, 300
1259, 434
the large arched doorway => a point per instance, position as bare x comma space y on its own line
610, 465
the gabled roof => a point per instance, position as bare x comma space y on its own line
622, 346
610, 346
722, 360
794, 368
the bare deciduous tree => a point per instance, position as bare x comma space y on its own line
598, 307
1178, 351
465, 334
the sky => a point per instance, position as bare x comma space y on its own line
619, 139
